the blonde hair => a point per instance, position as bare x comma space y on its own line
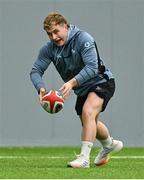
54, 19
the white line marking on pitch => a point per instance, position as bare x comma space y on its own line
57, 157
128, 157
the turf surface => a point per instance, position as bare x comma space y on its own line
50, 163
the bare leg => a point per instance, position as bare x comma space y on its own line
91, 109
102, 131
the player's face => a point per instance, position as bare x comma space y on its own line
58, 34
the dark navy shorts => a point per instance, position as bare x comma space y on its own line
104, 90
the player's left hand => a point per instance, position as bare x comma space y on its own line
65, 89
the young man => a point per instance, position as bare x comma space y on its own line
73, 53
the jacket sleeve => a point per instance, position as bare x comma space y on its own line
89, 57
40, 65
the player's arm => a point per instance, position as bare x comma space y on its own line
42, 92
67, 87
89, 57
90, 70
38, 69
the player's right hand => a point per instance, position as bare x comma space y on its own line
42, 93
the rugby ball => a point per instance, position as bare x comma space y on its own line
52, 102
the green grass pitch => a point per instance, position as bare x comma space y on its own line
50, 163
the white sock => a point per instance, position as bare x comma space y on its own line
86, 148
106, 142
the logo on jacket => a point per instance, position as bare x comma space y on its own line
87, 44
73, 51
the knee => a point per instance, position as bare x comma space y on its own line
91, 111
88, 113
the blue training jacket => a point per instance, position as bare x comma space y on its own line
77, 58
